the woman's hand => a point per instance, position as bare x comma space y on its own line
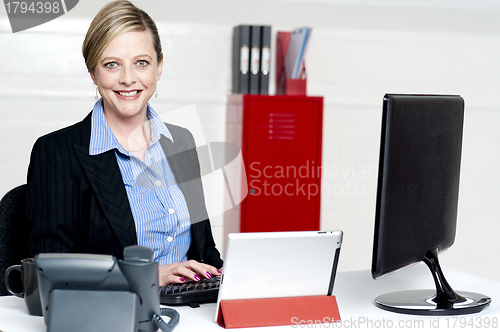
186, 271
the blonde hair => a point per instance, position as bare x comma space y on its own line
113, 20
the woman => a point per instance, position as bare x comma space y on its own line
121, 176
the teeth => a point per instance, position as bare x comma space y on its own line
128, 94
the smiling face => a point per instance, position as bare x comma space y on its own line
126, 76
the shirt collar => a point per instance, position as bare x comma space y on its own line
102, 138
158, 127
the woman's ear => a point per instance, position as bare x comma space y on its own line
160, 69
91, 72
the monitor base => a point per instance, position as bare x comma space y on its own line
443, 301
423, 302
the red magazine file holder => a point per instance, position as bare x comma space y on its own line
284, 85
303, 310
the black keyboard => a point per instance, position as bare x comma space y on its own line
191, 292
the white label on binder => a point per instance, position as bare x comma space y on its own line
255, 60
244, 55
266, 60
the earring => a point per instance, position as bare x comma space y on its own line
96, 93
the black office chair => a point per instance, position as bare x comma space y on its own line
14, 235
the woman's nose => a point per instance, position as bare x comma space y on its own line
127, 77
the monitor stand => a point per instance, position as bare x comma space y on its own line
440, 302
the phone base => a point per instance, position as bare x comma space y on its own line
87, 310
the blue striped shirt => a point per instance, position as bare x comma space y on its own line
160, 212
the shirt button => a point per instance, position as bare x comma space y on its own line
170, 211
170, 239
150, 156
158, 183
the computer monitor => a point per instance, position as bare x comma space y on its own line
417, 198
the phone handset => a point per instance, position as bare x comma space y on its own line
142, 273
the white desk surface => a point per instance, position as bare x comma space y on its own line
355, 292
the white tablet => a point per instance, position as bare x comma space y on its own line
279, 264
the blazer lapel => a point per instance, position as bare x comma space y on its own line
105, 178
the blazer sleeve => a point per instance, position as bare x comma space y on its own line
211, 255
51, 204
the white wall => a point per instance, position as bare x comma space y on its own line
359, 51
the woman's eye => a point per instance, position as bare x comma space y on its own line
111, 65
142, 63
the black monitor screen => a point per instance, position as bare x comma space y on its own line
417, 199
419, 171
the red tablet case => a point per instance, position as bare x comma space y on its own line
277, 311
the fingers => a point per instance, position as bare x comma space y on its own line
196, 271
171, 279
186, 271
167, 275
211, 271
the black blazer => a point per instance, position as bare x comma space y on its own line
78, 203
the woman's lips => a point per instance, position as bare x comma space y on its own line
128, 95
